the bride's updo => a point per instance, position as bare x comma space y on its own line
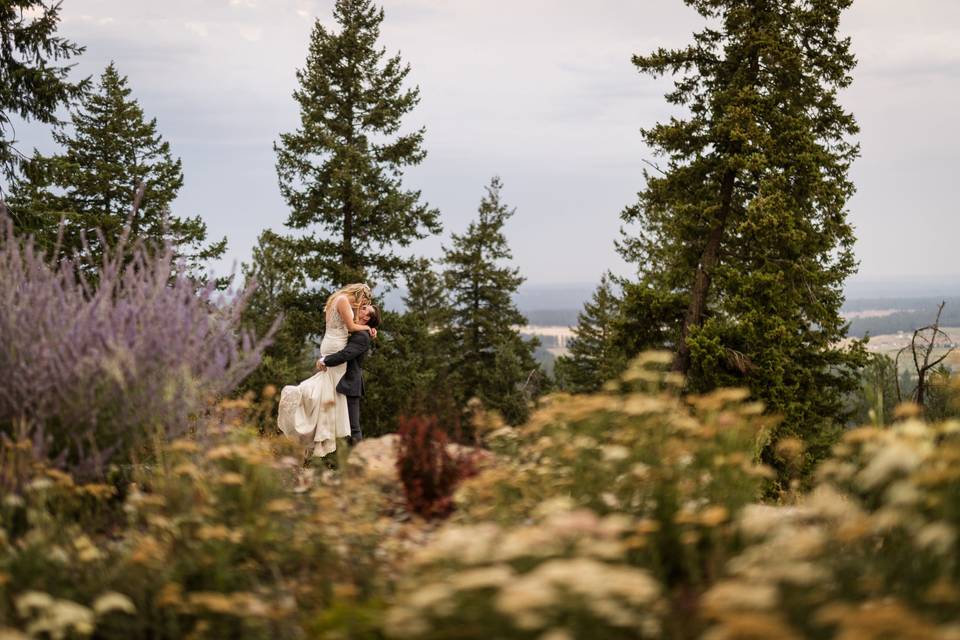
359, 294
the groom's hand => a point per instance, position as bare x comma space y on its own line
321, 366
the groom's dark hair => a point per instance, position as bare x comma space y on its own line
373, 321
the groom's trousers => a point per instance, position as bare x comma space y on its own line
353, 410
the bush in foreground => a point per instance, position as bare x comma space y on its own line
223, 537
88, 373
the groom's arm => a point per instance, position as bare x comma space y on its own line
357, 345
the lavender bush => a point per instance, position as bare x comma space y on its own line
88, 372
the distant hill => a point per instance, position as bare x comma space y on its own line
874, 306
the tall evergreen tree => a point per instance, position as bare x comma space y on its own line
596, 354
111, 149
491, 362
340, 171
746, 223
33, 82
410, 370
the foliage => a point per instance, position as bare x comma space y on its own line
604, 516
630, 513
427, 469
341, 169
873, 548
88, 374
490, 361
595, 353
33, 73
92, 183
222, 537
409, 372
883, 388
279, 294
746, 221
877, 397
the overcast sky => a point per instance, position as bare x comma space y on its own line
541, 92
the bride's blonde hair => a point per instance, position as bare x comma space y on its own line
359, 295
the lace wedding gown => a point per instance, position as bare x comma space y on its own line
313, 411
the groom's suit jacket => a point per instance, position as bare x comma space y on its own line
351, 384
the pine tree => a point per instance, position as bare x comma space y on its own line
491, 362
409, 373
33, 83
745, 225
595, 353
111, 149
340, 171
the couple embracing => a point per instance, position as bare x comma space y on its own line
326, 406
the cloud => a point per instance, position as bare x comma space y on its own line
540, 91
250, 33
198, 28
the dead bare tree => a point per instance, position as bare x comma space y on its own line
922, 345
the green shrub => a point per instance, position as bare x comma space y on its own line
224, 537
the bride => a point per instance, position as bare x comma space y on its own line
313, 411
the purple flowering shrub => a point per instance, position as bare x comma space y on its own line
89, 372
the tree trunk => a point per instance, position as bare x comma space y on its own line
701, 281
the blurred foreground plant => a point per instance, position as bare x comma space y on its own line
87, 373
427, 469
605, 516
221, 537
872, 552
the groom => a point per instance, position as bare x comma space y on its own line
351, 384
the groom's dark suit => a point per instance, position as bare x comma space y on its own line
351, 384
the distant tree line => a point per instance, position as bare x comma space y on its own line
916, 313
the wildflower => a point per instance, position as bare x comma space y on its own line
99, 491
53, 617
483, 578
188, 469
714, 516
113, 601
614, 452
557, 504
938, 536
403, 622
897, 456
211, 601
40, 484
171, 595
86, 550
61, 478
280, 505
183, 445
728, 596
231, 479
32, 601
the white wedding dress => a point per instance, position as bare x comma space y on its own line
312, 411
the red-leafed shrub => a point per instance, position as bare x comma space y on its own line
428, 470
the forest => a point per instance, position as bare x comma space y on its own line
718, 455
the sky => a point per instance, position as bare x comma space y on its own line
539, 92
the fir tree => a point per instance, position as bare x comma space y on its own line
409, 374
595, 353
33, 82
746, 222
491, 362
110, 151
340, 171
